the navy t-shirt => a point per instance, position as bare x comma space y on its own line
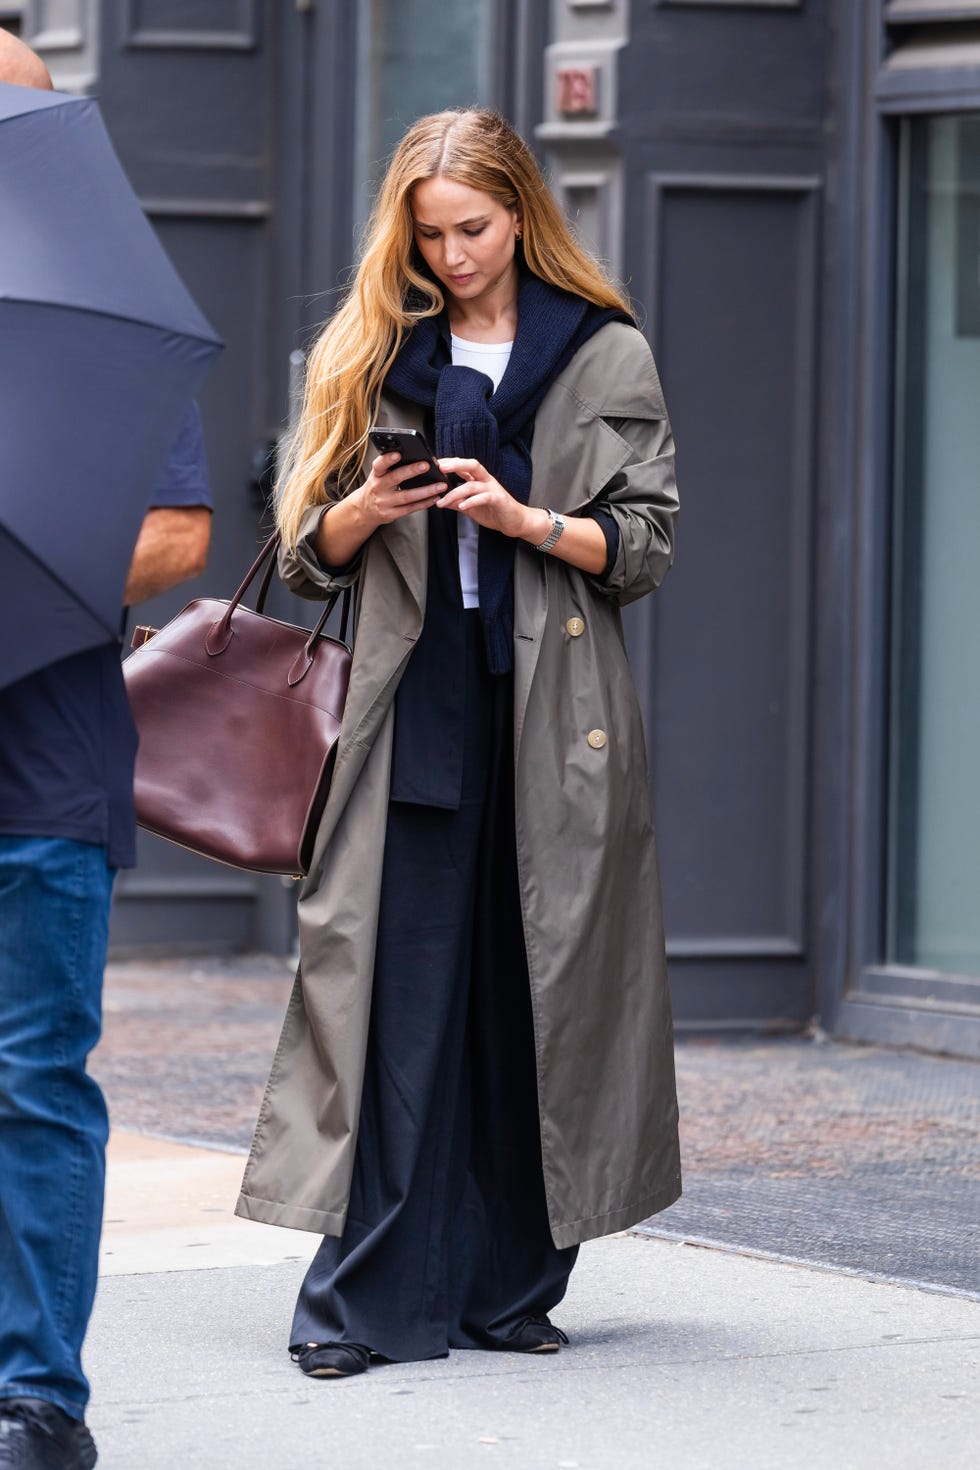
67, 740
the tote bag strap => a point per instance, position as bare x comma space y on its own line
220, 633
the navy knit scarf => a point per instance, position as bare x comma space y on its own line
474, 422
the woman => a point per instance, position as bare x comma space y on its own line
476, 1068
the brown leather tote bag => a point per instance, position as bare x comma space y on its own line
238, 716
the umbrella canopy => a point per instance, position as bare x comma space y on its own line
101, 350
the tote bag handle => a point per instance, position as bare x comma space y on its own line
221, 632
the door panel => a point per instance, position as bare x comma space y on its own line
722, 133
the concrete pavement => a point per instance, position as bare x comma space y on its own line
700, 1359
169, 1208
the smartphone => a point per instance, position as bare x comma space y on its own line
411, 445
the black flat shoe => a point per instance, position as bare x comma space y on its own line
36, 1435
331, 1359
534, 1335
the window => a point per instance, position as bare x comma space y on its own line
414, 62
934, 827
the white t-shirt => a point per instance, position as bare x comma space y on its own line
490, 358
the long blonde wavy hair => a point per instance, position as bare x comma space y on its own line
392, 290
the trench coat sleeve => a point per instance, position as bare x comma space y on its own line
642, 498
303, 573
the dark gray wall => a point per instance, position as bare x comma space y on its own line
187, 92
235, 120
740, 171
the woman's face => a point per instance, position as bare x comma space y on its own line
466, 237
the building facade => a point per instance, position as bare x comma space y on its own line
791, 189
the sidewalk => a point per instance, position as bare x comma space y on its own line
169, 1208
681, 1356
695, 1357
853, 1157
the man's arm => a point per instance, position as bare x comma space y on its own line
173, 541
171, 547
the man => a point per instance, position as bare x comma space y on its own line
67, 823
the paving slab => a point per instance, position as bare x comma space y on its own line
169, 1208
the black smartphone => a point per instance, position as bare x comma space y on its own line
412, 447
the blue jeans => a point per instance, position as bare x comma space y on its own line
54, 926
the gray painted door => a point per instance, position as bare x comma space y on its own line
722, 113
187, 91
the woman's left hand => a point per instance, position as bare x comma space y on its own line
484, 499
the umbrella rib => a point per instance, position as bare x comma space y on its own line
97, 616
115, 316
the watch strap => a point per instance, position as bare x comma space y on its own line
553, 536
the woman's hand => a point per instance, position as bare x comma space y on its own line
347, 523
485, 501
381, 498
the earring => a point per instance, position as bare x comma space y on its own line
518, 234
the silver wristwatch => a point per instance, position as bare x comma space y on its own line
553, 536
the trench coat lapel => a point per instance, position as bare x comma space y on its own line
398, 562
407, 542
572, 464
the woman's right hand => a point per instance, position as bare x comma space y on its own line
381, 497
348, 523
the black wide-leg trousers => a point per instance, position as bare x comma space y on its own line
447, 1242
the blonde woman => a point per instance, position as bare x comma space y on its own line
476, 1068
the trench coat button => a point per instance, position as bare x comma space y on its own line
597, 739
575, 627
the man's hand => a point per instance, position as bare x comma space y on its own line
171, 547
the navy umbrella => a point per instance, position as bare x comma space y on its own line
101, 350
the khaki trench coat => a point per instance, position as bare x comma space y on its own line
590, 887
